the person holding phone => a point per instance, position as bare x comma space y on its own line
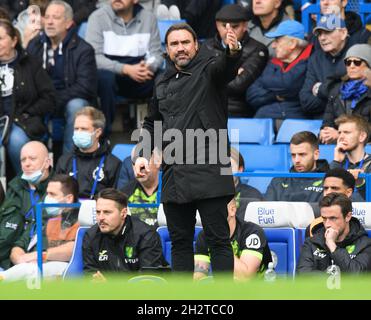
350, 154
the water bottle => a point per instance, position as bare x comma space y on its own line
270, 275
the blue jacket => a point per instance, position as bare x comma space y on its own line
321, 66
79, 67
279, 80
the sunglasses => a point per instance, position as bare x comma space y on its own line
357, 63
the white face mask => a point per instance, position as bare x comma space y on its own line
52, 211
33, 178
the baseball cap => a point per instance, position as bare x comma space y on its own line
289, 28
329, 22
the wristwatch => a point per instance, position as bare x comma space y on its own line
239, 47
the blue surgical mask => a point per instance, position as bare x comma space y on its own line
33, 178
51, 211
83, 139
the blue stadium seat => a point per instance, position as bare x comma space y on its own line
123, 150
261, 183
272, 158
291, 126
258, 131
228, 2
164, 25
282, 241
76, 266
166, 243
326, 151
82, 30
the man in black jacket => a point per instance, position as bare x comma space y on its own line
69, 61
118, 242
91, 162
253, 59
342, 242
304, 151
190, 99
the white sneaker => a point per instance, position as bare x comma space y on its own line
174, 13
162, 12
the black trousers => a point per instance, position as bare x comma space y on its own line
181, 220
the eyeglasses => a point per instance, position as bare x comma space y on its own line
357, 63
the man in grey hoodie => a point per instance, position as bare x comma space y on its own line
128, 52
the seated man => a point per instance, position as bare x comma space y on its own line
70, 63
118, 242
327, 61
342, 241
268, 14
251, 63
18, 212
340, 181
357, 31
350, 151
304, 151
275, 94
244, 192
91, 162
250, 248
60, 232
128, 52
143, 190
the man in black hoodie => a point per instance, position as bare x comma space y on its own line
305, 157
91, 162
342, 242
69, 61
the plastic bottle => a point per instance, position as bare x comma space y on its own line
270, 275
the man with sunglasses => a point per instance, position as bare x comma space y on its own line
327, 61
350, 96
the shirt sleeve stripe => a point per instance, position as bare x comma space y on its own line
201, 257
252, 253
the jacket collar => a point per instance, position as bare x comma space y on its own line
304, 55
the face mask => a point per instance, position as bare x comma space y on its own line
33, 178
51, 211
83, 139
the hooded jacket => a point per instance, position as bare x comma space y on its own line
280, 80
253, 60
352, 255
135, 247
75, 67
87, 165
297, 189
194, 98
